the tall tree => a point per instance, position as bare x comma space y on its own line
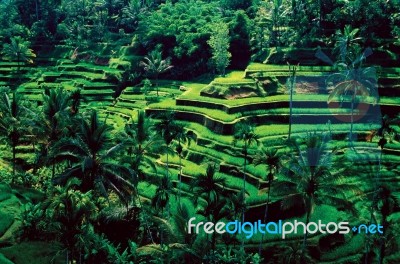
244, 132
279, 12
271, 158
70, 209
166, 128
385, 202
210, 187
154, 65
53, 120
291, 85
309, 173
93, 158
347, 45
18, 50
142, 143
354, 82
76, 98
182, 136
161, 199
386, 131
129, 15
12, 122
219, 44
163, 192
240, 41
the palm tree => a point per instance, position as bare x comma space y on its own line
182, 136
278, 13
352, 79
166, 128
163, 192
93, 158
237, 203
291, 84
161, 199
215, 211
129, 15
52, 121
12, 122
71, 209
308, 172
347, 43
208, 186
244, 131
271, 158
385, 202
76, 98
355, 82
141, 143
386, 130
154, 65
18, 50
179, 245
211, 187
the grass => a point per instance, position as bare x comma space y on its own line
275, 67
255, 100
354, 245
34, 252
6, 220
5, 192
5, 260
271, 130
214, 147
169, 104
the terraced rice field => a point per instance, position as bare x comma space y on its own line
213, 119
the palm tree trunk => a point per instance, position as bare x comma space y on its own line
305, 231
14, 154
53, 169
351, 122
180, 177
213, 242
244, 185
320, 17
180, 172
382, 245
292, 72
378, 175
157, 84
160, 229
168, 206
209, 220
145, 215
367, 246
37, 10
290, 109
18, 66
265, 218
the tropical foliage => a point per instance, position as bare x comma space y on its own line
123, 121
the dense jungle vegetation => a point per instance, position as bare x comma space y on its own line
120, 120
